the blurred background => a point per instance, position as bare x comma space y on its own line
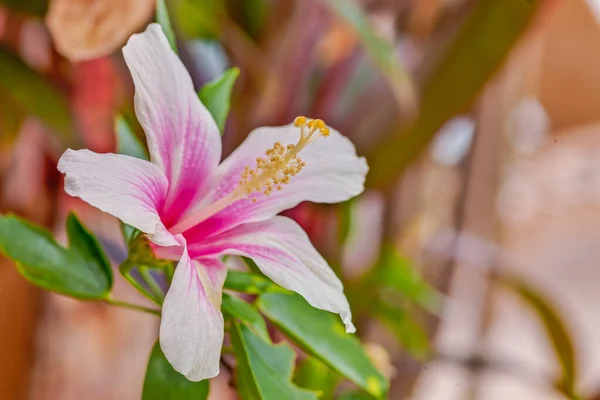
471, 259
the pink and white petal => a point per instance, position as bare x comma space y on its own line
182, 135
131, 189
283, 252
333, 173
191, 328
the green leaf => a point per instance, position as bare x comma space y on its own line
162, 17
356, 395
164, 383
11, 118
379, 50
127, 142
555, 328
80, 271
312, 374
200, 18
264, 370
459, 72
34, 95
216, 96
35, 7
322, 335
238, 309
246, 282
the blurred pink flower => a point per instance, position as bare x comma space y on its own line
86, 29
195, 210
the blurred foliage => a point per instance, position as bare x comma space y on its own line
35, 7
382, 53
458, 75
162, 17
556, 329
31, 93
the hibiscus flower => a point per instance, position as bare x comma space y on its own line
195, 210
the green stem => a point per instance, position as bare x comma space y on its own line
136, 307
140, 288
155, 289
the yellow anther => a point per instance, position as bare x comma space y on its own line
300, 121
280, 163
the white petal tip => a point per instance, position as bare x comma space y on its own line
193, 377
347, 320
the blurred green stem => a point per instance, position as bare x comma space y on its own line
124, 304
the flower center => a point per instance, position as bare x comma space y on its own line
273, 171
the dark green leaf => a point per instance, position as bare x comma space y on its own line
80, 271
11, 118
356, 395
264, 370
249, 14
164, 383
34, 95
162, 17
200, 18
322, 335
313, 375
381, 52
458, 74
216, 96
35, 7
238, 309
555, 328
246, 282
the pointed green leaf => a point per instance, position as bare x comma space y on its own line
164, 383
35, 95
80, 271
127, 142
322, 335
264, 370
216, 96
162, 17
239, 310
